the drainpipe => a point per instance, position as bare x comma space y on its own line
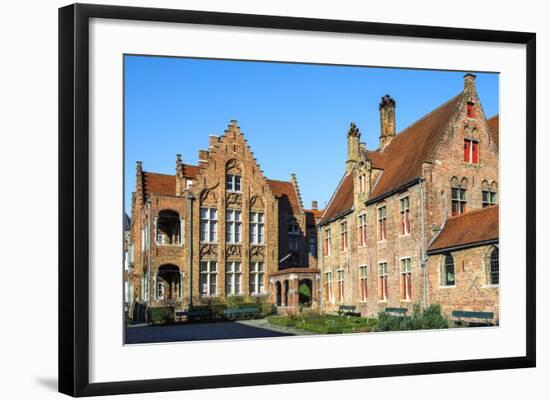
320, 259
148, 254
190, 199
423, 257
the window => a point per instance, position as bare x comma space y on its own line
233, 226
363, 287
209, 278
293, 243
488, 194
256, 228
448, 273
327, 241
406, 279
344, 236
328, 286
168, 227
233, 275
313, 244
256, 278
458, 196
362, 229
470, 110
209, 224
405, 219
362, 183
233, 183
160, 239
293, 229
340, 278
382, 223
471, 151
383, 281
160, 290
493, 268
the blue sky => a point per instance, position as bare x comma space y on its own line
294, 116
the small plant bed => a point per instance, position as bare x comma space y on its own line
421, 319
325, 324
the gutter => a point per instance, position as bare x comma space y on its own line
338, 216
394, 191
462, 246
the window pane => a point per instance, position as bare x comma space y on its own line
237, 183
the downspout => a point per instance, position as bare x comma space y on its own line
148, 254
320, 258
423, 257
190, 199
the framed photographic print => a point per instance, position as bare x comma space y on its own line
251, 199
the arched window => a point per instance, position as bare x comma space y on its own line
458, 196
168, 228
493, 271
448, 271
488, 194
160, 290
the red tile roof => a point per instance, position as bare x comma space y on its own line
403, 157
190, 171
286, 194
474, 227
342, 200
493, 124
377, 159
313, 216
159, 184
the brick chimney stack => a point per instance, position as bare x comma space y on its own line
314, 205
354, 138
470, 84
387, 121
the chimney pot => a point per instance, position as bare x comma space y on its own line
469, 81
387, 120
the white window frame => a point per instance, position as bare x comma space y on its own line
382, 233
383, 273
362, 227
257, 278
234, 277
362, 183
208, 274
257, 228
406, 269
340, 280
405, 215
327, 244
363, 277
233, 226
210, 225
344, 236
231, 181
328, 281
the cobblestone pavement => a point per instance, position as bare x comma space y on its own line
198, 331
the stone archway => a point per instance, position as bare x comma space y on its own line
286, 290
278, 291
168, 283
305, 292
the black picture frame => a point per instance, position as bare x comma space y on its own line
74, 198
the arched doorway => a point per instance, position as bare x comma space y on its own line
279, 292
305, 292
286, 292
168, 283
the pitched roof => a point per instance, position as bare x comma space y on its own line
285, 192
493, 124
377, 159
190, 171
159, 184
342, 200
403, 157
470, 228
313, 216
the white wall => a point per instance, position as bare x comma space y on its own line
28, 165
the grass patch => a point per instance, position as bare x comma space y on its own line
325, 324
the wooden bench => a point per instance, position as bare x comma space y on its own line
235, 313
463, 314
348, 310
396, 311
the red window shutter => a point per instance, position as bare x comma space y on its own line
470, 109
475, 154
466, 150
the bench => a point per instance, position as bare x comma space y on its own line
396, 311
235, 313
348, 310
462, 314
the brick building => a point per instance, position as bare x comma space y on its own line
416, 220
220, 229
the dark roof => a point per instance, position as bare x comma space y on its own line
342, 200
403, 157
159, 184
313, 216
493, 124
377, 159
285, 192
474, 227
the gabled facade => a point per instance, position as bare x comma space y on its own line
217, 230
393, 203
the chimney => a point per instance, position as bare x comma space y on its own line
470, 84
139, 183
387, 121
354, 137
203, 157
314, 205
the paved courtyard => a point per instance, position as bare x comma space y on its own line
201, 331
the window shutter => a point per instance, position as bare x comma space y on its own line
466, 150
475, 152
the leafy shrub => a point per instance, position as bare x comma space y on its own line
161, 315
421, 319
304, 294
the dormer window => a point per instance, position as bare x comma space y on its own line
470, 110
233, 183
471, 151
